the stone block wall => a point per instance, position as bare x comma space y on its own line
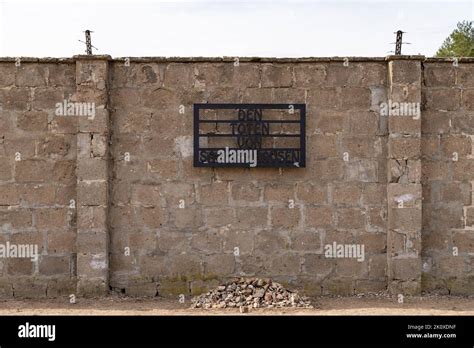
37, 177
115, 203
189, 228
447, 177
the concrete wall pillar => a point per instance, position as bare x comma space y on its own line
92, 176
404, 191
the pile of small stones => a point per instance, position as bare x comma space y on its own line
247, 293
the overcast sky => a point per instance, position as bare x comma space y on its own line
281, 28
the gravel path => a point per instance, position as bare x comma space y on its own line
372, 305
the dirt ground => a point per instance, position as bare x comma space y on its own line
377, 305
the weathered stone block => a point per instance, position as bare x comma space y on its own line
36, 194
178, 194
52, 218
281, 193
96, 122
374, 194
319, 217
61, 75
186, 218
91, 169
328, 170
30, 238
46, 98
350, 218
405, 71
404, 195
406, 268
310, 193
286, 264
328, 123
448, 99
31, 75
146, 195
242, 240
161, 168
219, 217
142, 290
29, 288
355, 98
378, 266
184, 265
12, 219
452, 266
32, 121
209, 241
6, 170
285, 217
59, 287
364, 123
404, 125
222, 265
91, 266
20, 267
309, 75
404, 148
99, 145
362, 170
91, 218
269, 241
252, 217
469, 216
64, 172
467, 99
323, 146
277, 75
456, 193
464, 241
339, 75
217, 193
465, 76
54, 265
352, 268
405, 219
309, 240
437, 75
435, 122
92, 287
324, 98
459, 146
61, 242
318, 265
92, 242
32, 171
374, 243
92, 193
377, 218
7, 74
9, 195
154, 217
14, 99
347, 194
462, 170
248, 192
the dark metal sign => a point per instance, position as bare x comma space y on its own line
249, 135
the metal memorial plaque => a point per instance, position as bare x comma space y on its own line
249, 135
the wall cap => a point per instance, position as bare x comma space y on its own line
75, 58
